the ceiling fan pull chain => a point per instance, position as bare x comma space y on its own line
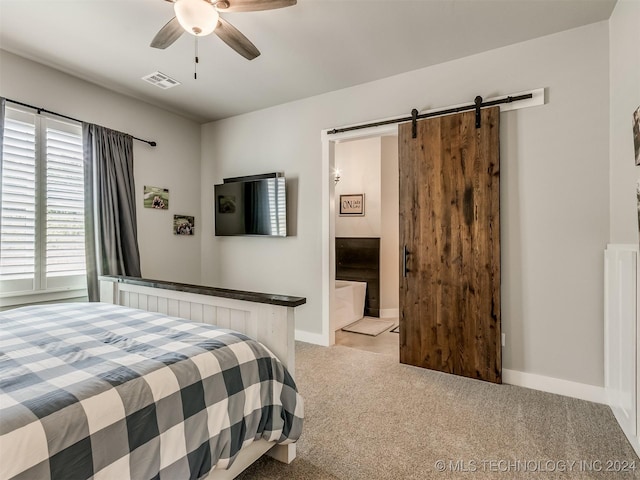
195, 66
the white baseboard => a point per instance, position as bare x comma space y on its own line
627, 428
389, 312
558, 386
310, 337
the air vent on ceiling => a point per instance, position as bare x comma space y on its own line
161, 80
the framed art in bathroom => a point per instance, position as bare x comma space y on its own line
352, 205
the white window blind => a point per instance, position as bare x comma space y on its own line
18, 234
42, 205
65, 204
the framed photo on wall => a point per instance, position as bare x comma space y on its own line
636, 134
183, 224
352, 205
156, 197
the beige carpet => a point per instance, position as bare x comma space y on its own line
369, 326
368, 417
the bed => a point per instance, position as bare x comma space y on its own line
107, 391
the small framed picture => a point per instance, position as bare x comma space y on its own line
183, 224
352, 205
636, 134
156, 197
638, 197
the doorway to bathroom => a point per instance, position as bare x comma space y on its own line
432, 158
363, 239
457, 206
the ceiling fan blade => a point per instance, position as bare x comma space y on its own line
251, 5
167, 34
236, 40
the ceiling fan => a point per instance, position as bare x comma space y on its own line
202, 17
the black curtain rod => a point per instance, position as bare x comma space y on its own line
40, 110
415, 116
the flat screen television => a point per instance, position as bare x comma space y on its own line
255, 205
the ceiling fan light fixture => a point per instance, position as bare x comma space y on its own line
198, 17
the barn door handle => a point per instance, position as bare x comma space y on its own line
405, 254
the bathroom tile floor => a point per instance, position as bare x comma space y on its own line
386, 343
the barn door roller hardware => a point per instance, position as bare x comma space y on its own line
477, 105
478, 102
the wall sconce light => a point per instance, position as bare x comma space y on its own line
336, 176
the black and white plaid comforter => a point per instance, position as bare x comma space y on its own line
107, 392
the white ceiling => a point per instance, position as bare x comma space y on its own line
314, 47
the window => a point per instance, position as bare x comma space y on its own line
42, 206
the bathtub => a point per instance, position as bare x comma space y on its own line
349, 302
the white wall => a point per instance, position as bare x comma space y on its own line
390, 238
370, 166
623, 377
624, 62
174, 163
555, 192
359, 164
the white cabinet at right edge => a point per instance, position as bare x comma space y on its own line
621, 337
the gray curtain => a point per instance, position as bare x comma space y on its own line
110, 209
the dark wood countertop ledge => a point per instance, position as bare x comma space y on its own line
268, 298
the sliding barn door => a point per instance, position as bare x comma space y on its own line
450, 241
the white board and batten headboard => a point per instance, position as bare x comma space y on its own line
267, 318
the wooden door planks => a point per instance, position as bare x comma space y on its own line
449, 221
